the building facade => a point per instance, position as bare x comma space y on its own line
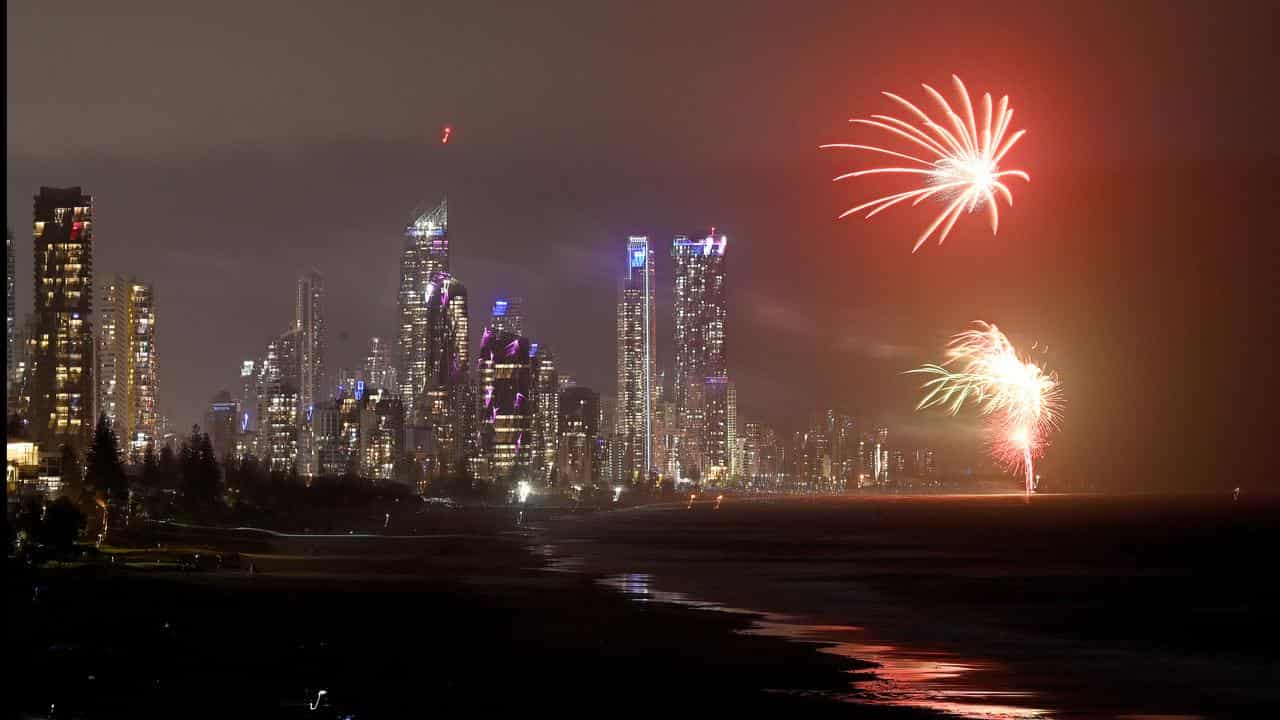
700, 368
309, 323
379, 371
508, 380
508, 315
425, 253
636, 364
62, 387
546, 398
128, 364
442, 424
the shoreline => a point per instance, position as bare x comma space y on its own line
931, 617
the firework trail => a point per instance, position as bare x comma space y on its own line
960, 163
1020, 399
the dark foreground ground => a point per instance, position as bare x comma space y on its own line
1068, 607
386, 628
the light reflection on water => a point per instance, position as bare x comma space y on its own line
904, 677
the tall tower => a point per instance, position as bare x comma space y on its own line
442, 423
278, 419
700, 369
546, 398
11, 328
62, 398
426, 252
128, 366
309, 322
508, 315
508, 382
636, 359
378, 370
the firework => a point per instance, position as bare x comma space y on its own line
1020, 399
960, 163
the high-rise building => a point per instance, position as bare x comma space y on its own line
381, 433
62, 394
636, 363
700, 313
222, 422
426, 253
278, 419
128, 365
11, 329
379, 372
717, 438
577, 462
249, 377
508, 315
309, 322
546, 398
508, 375
21, 356
442, 423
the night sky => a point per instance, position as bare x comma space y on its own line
230, 145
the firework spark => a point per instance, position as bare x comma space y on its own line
1021, 400
961, 162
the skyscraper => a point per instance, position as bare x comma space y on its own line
546, 398
249, 388
278, 419
127, 364
378, 370
507, 377
222, 423
11, 329
62, 398
442, 424
426, 252
700, 313
636, 358
578, 426
508, 315
309, 322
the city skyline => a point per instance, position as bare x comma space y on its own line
824, 313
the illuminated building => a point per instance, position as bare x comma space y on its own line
636, 358
62, 392
378, 369
426, 253
442, 426
309, 322
127, 364
278, 430
381, 433
578, 427
222, 422
278, 419
249, 372
666, 440
508, 315
20, 378
11, 329
567, 381
507, 408
546, 398
700, 366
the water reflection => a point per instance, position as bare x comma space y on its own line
904, 677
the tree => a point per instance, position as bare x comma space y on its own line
170, 469
200, 472
72, 475
151, 476
104, 472
63, 522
